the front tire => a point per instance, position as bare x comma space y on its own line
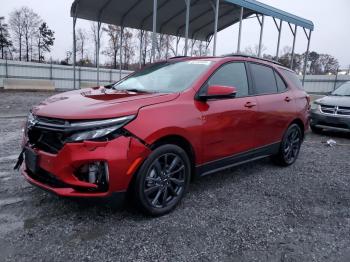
162, 180
290, 146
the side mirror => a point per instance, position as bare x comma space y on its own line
218, 92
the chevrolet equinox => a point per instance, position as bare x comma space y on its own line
155, 130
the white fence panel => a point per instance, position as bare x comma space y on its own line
61, 76
324, 83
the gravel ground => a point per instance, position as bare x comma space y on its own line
255, 212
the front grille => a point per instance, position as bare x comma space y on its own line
327, 109
344, 111
335, 110
47, 134
46, 140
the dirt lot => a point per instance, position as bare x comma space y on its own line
256, 212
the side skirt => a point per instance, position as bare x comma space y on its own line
238, 159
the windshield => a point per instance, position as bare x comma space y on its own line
343, 90
169, 77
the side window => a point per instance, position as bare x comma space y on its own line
293, 78
264, 79
281, 85
233, 74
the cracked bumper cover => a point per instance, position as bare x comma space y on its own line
123, 156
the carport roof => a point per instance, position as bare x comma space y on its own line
172, 13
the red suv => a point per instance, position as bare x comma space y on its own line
155, 130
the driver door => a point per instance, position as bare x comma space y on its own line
229, 124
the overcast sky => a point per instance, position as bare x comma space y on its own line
331, 19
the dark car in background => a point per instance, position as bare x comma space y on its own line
332, 112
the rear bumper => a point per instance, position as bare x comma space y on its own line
336, 122
56, 172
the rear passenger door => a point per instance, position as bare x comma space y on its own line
276, 108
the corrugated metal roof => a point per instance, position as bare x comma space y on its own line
171, 14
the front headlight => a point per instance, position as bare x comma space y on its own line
91, 135
92, 130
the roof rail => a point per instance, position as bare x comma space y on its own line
180, 56
255, 57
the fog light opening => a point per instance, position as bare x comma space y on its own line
95, 173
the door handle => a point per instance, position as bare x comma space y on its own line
287, 99
250, 104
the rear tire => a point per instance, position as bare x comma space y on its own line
290, 146
162, 180
316, 130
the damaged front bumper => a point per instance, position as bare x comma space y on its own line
86, 169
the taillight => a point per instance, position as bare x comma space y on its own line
308, 102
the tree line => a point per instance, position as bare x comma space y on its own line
165, 46
25, 37
318, 64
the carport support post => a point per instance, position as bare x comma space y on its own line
293, 49
240, 31
120, 52
98, 51
155, 7
308, 36
262, 22
216, 26
74, 51
188, 5
279, 28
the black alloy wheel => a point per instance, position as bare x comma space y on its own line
162, 180
290, 146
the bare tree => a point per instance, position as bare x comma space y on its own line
5, 41
81, 43
254, 51
168, 45
17, 28
199, 49
128, 48
146, 45
329, 64
94, 37
113, 33
31, 22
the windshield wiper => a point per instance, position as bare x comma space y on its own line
132, 90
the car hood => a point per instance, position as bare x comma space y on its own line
97, 103
335, 101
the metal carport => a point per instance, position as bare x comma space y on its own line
191, 19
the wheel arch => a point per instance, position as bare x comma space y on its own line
300, 123
181, 142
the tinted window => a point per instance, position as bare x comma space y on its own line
280, 83
293, 78
233, 74
264, 79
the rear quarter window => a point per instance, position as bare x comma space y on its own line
293, 77
264, 79
280, 83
